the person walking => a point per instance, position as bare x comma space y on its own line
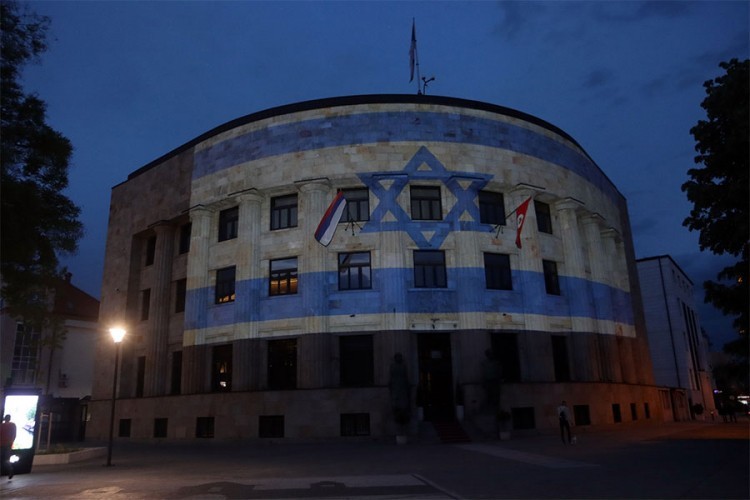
563, 414
7, 437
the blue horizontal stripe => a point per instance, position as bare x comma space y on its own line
394, 293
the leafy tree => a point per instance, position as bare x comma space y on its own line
39, 223
719, 190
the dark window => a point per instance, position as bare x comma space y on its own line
633, 412
160, 427
25, 354
429, 269
140, 376
491, 208
354, 271
646, 411
505, 349
184, 246
150, 250
523, 418
180, 292
581, 415
551, 279
145, 304
225, 281
357, 205
425, 203
282, 364
284, 212
283, 276
616, 414
221, 374
176, 382
497, 271
271, 426
355, 424
229, 221
356, 360
123, 430
560, 358
543, 217
204, 427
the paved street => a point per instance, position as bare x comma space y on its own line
676, 460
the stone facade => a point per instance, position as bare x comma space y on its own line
275, 339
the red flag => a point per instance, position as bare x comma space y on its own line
520, 219
412, 50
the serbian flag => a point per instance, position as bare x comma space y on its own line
412, 50
520, 219
327, 226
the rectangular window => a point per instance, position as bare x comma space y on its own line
543, 217
180, 292
646, 411
25, 354
145, 304
175, 386
355, 424
560, 358
123, 428
150, 250
271, 426
140, 376
523, 418
354, 271
229, 221
633, 412
221, 373
505, 349
616, 414
425, 203
184, 246
225, 281
491, 208
282, 364
204, 427
283, 276
160, 427
497, 271
429, 269
357, 205
581, 414
551, 279
284, 212
356, 365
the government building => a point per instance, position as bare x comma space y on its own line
242, 325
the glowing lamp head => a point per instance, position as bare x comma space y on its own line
117, 334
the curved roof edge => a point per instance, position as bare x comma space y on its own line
331, 102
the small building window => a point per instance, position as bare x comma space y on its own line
581, 414
283, 276
357, 205
229, 221
491, 208
204, 427
543, 217
429, 269
184, 245
646, 410
356, 365
150, 250
616, 414
551, 278
284, 212
355, 424
123, 429
140, 376
497, 271
425, 203
505, 349
221, 373
160, 427
180, 293
354, 271
633, 412
145, 304
271, 426
225, 284
560, 358
175, 386
523, 418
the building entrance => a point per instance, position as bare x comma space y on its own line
435, 390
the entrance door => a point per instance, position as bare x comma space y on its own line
435, 376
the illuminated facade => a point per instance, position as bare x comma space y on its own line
242, 325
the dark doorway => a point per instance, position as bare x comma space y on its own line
435, 390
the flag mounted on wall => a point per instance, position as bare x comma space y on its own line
520, 219
327, 226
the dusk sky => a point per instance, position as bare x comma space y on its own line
127, 82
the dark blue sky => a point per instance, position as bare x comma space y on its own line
127, 82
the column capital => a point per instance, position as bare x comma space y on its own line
593, 218
313, 185
198, 210
569, 204
523, 189
250, 196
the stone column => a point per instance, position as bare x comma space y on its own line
193, 379
158, 328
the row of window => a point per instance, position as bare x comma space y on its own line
426, 204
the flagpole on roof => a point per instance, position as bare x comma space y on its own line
414, 56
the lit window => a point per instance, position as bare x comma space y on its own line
225, 280
283, 276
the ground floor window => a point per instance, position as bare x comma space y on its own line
282, 364
160, 427
271, 426
123, 430
204, 427
355, 424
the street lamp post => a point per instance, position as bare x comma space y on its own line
117, 335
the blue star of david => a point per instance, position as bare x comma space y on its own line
387, 186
